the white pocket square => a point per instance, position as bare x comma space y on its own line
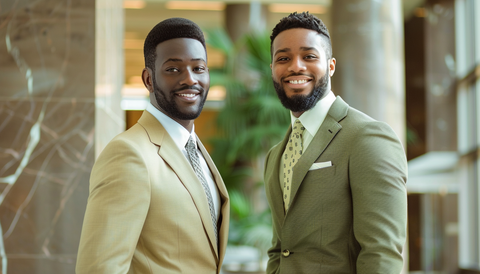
320, 165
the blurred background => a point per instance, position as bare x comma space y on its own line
70, 81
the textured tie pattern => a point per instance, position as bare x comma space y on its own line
292, 153
195, 161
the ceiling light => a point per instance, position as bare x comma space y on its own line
134, 4
289, 8
194, 5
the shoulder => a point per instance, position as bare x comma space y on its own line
128, 147
134, 137
362, 124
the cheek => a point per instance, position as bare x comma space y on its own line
204, 79
276, 73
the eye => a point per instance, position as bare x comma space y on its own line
282, 59
199, 69
310, 56
172, 70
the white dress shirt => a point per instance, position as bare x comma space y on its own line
311, 119
180, 136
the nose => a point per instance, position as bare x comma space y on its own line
189, 78
297, 65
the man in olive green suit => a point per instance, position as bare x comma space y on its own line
157, 203
336, 183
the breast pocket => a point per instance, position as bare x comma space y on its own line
321, 173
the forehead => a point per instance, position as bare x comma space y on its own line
180, 48
294, 39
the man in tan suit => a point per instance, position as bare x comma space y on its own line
157, 203
336, 183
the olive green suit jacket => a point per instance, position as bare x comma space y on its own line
147, 211
350, 217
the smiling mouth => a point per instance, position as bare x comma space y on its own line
298, 81
187, 95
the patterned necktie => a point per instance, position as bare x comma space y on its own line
195, 161
292, 153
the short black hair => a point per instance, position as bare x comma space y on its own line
303, 20
169, 29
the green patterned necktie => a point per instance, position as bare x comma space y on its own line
293, 151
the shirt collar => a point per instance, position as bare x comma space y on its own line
313, 118
179, 134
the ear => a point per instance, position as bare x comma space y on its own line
147, 79
331, 65
271, 69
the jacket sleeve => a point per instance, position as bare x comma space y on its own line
378, 174
116, 210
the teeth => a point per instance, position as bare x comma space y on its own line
298, 81
187, 95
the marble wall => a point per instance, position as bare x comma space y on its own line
48, 126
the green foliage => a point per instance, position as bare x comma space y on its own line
253, 120
248, 227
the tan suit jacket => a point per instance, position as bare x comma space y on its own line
147, 211
349, 217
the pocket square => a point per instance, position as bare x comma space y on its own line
316, 166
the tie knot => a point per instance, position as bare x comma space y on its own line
190, 144
298, 128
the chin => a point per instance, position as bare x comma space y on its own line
298, 92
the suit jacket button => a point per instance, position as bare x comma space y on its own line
286, 253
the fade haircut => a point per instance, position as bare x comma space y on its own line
169, 29
303, 20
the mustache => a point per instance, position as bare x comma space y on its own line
298, 74
189, 87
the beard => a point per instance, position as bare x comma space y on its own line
300, 103
170, 106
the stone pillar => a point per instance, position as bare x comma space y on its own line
242, 18
47, 127
368, 44
109, 72
367, 37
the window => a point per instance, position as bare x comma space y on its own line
468, 100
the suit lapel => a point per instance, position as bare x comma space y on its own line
275, 183
324, 136
224, 209
170, 153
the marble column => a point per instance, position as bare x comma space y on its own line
47, 129
367, 37
368, 44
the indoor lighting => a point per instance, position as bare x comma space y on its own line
194, 5
217, 93
134, 4
288, 8
420, 12
133, 44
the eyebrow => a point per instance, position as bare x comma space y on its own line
301, 48
180, 60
